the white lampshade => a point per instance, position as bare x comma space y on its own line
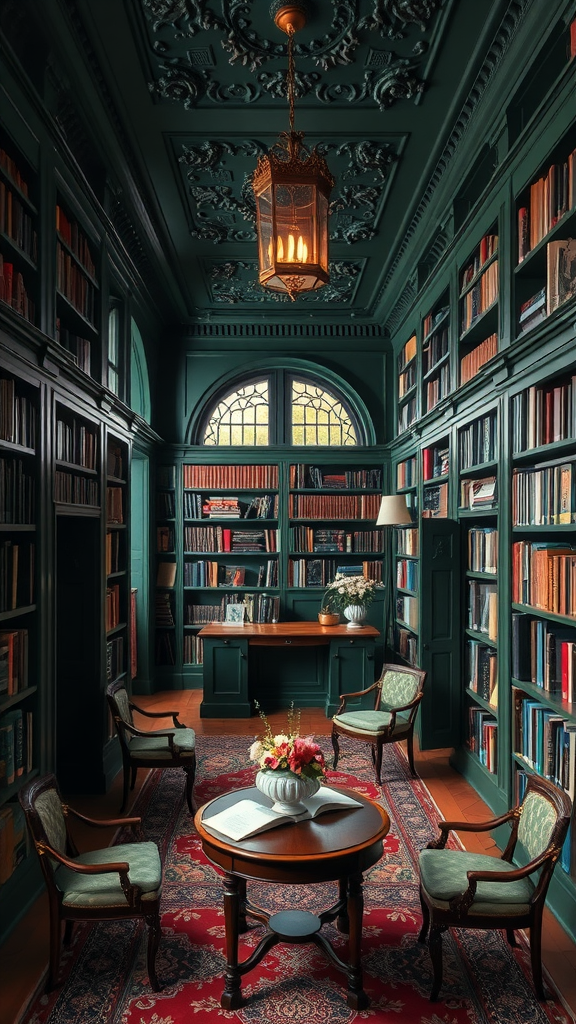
393, 510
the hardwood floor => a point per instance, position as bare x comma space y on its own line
24, 956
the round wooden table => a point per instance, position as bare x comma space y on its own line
336, 846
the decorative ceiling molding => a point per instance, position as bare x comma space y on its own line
500, 45
288, 330
402, 306
243, 27
223, 210
236, 281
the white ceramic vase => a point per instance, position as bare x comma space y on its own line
286, 789
356, 614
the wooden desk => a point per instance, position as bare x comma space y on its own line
337, 846
232, 654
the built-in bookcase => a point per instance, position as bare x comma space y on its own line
436, 382
77, 290
20, 698
544, 277
478, 306
77, 454
435, 476
407, 385
165, 647
19, 279
117, 593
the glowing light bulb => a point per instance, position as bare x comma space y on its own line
299, 249
280, 249
304, 253
290, 248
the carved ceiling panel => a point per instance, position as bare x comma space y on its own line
236, 281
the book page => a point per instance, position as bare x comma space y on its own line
327, 799
244, 819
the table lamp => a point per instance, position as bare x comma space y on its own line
393, 512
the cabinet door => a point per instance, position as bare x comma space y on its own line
351, 668
440, 614
225, 679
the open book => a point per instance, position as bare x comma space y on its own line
247, 818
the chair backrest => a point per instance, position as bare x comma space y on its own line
119, 702
41, 802
544, 818
399, 685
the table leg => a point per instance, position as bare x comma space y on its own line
242, 922
233, 889
356, 998
342, 923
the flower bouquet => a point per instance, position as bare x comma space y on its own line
349, 590
291, 766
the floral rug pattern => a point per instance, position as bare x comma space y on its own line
104, 976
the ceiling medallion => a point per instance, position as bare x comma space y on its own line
292, 187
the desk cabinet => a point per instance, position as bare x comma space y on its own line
226, 679
351, 668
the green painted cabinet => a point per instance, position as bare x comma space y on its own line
225, 679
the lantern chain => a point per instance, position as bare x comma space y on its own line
291, 74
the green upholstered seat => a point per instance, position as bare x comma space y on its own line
443, 875
144, 870
184, 742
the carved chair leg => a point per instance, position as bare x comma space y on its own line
511, 936
55, 942
378, 764
536, 955
336, 747
154, 934
410, 752
425, 919
435, 947
190, 772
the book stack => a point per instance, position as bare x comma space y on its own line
435, 462
533, 311
435, 502
483, 608
483, 671
473, 361
13, 291
164, 613
483, 737
560, 272
114, 505
221, 508
478, 493
544, 576
483, 549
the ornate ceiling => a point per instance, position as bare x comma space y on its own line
199, 92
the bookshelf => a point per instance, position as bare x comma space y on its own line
117, 570
165, 652
436, 381
19, 278
76, 475
407, 385
478, 306
20, 696
77, 291
435, 477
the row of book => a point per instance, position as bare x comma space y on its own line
435, 462
305, 476
215, 574
13, 662
406, 644
433, 320
73, 489
483, 549
544, 576
17, 223
407, 414
113, 552
544, 653
75, 240
256, 608
220, 538
479, 297
434, 349
319, 572
438, 387
13, 290
406, 574
407, 380
114, 658
407, 541
13, 171
165, 505
78, 347
483, 737
74, 286
114, 504
435, 502
407, 353
17, 570
477, 442
483, 608
318, 540
550, 197
533, 310
14, 839
406, 475
484, 251
478, 493
164, 609
544, 414
544, 497
261, 506
16, 751
112, 606
545, 739
407, 610
17, 492
230, 477
17, 415
76, 442
482, 665
473, 361
560, 272
328, 506
164, 538
193, 649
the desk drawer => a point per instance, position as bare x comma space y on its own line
288, 641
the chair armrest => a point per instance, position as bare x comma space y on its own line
158, 714
404, 707
101, 822
142, 732
121, 867
468, 826
343, 697
461, 904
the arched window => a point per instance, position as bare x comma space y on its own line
281, 407
139, 381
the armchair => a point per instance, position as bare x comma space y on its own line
168, 748
474, 890
397, 695
108, 884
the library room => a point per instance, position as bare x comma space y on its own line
287, 511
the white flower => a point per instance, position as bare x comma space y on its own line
256, 751
280, 739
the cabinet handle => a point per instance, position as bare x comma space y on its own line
287, 641
242, 655
226, 642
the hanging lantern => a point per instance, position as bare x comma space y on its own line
292, 188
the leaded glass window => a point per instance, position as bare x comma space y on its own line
241, 417
318, 417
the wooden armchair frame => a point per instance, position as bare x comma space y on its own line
135, 907
133, 760
395, 731
458, 912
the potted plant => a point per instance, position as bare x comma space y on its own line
350, 595
291, 767
327, 616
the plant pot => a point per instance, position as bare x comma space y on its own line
286, 789
355, 613
328, 618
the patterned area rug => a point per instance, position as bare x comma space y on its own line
104, 975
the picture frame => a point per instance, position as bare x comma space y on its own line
235, 614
